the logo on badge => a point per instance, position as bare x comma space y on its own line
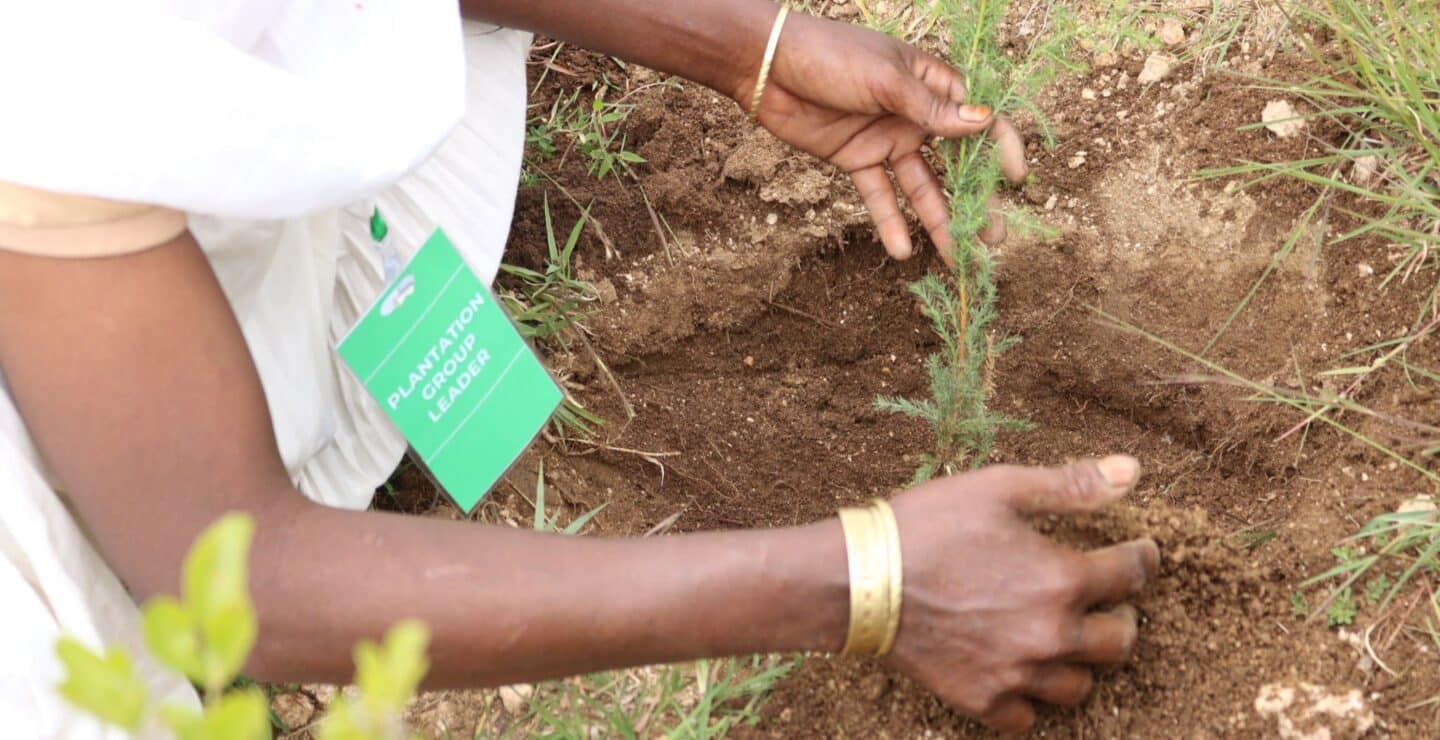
398, 295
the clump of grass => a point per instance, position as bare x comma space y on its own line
1378, 83
961, 305
547, 305
589, 127
689, 701
703, 699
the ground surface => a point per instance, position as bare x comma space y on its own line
752, 342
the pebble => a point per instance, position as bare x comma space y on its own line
1275, 118
1366, 169
294, 709
772, 218
1077, 161
1157, 67
1087, 94
514, 697
1172, 33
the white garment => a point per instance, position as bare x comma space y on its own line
296, 285
239, 108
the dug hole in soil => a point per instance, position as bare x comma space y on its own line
752, 342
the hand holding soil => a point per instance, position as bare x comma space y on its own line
996, 615
862, 100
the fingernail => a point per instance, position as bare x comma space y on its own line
974, 113
1120, 471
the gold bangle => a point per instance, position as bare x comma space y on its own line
872, 546
765, 63
891, 527
869, 595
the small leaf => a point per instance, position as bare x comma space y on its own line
229, 635
342, 723
217, 569
170, 635
106, 687
583, 519
217, 597
238, 715
388, 674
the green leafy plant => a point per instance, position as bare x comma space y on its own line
1299, 607
548, 522
1375, 589
548, 304
1342, 609
206, 635
961, 306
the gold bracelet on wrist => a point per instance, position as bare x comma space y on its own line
766, 61
891, 527
872, 546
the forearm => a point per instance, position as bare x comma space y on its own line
717, 43
507, 605
135, 382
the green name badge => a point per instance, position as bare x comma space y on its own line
449, 368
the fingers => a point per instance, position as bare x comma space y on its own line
1012, 149
1011, 716
875, 189
941, 79
931, 95
1108, 637
1065, 684
996, 231
1078, 487
927, 196
1116, 573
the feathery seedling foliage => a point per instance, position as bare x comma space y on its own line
961, 305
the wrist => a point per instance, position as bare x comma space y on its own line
815, 590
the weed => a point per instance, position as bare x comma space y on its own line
547, 303
544, 303
590, 127
705, 699
1375, 589
1342, 609
1299, 607
961, 307
551, 522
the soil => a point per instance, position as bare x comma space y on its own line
751, 337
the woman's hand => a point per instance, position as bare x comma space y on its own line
862, 100
996, 615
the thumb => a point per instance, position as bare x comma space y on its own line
1082, 486
938, 115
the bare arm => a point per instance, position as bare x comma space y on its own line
717, 44
133, 378
860, 99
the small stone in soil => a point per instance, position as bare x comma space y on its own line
1279, 119
1172, 33
1157, 67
